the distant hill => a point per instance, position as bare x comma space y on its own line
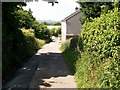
48, 21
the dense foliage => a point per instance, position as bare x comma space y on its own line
57, 24
28, 21
97, 63
42, 32
93, 9
55, 32
101, 40
25, 18
19, 45
102, 35
70, 53
52, 23
33, 42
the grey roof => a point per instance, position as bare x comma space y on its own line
71, 15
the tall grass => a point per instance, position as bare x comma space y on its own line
70, 53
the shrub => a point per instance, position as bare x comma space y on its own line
87, 71
70, 53
65, 45
18, 47
101, 39
42, 32
97, 52
33, 43
56, 23
102, 35
55, 31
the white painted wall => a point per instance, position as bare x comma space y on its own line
50, 27
63, 29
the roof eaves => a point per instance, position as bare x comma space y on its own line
71, 15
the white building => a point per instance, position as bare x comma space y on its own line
71, 26
50, 27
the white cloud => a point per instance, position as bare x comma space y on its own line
44, 11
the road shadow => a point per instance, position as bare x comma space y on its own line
51, 65
39, 67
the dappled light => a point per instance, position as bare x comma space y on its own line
46, 69
63, 44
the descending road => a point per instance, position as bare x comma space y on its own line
45, 70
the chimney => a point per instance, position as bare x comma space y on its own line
76, 8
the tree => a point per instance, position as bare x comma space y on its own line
9, 18
45, 23
25, 18
11, 37
93, 9
56, 23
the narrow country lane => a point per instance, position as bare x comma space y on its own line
46, 69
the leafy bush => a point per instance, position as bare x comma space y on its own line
102, 35
24, 17
70, 53
17, 48
87, 71
97, 63
101, 39
41, 31
65, 45
17, 45
34, 43
56, 23
55, 31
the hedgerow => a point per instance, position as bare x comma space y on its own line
97, 64
18, 46
33, 42
101, 39
18, 50
55, 31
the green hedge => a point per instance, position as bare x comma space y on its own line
101, 40
18, 47
102, 35
97, 64
33, 42
42, 32
55, 31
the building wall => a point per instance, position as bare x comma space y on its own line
63, 33
50, 27
74, 25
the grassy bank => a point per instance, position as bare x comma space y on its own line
89, 71
70, 53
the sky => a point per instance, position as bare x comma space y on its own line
44, 11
